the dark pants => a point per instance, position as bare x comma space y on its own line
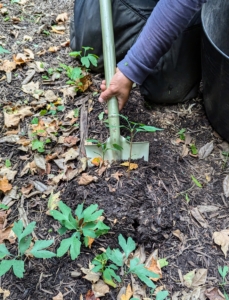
177, 75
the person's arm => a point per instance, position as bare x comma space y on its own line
168, 19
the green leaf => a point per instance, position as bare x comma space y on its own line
93, 59
90, 214
62, 230
38, 145
197, 183
193, 149
101, 115
149, 128
24, 239
108, 276
75, 74
2, 50
163, 262
79, 211
43, 112
187, 198
3, 251
35, 121
3, 206
85, 61
75, 53
223, 271
61, 108
87, 48
5, 266
117, 147
101, 229
76, 112
7, 163
115, 256
38, 249
143, 274
162, 295
128, 246
73, 243
65, 217
18, 268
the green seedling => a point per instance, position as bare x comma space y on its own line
40, 145
35, 121
6, 19
226, 154
193, 149
181, 134
223, 271
86, 224
197, 183
86, 59
104, 148
25, 246
187, 198
8, 163
109, 262
76, 113
74, 74
46, 32
134, 128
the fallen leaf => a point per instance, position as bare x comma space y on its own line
185, 151
207, 208
128, 293
69, 92
9, 139
8, 173
8, 66
27, 38
71, 154
226, 186
100, 289
195, 278
199, 218
97, 161
32, 88
54, 49
90, 296
206, 150
179, 235
138, 291
140, 254
59, 297
214, 294
29, 54
58, 29
40, 161
7, 234
62, 17
221, 238
53, 202
66, 44
5, 293
196, 294
86, 179
117, 175
152, 264
13, 117
85, 83
91, 276
5, 186
101, 170
27, 189
131, 165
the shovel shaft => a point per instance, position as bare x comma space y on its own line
110, 66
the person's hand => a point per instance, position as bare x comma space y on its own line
120, 87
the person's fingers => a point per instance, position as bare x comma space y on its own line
106, 95
103, 87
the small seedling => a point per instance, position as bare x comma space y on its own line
223, 271
3, 206
3, 51
86, 59
226, 154
193, 149
86, 224
118, 260
197, 183
35, 121
104, 148
40, 145
8, 163
187, 198
181, 134
25, 247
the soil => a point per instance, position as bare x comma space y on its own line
149, 206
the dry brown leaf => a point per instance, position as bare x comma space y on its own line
199, 218
27, 189
29, 54
195, 278
100, 289
5, 186
66, 44
3, 218
138, 291
5, 293
117, 175
8, 66
86, 179
62, 18
155, 267
51, 156
185, 151
58, 29
85, 83
179, 235
21, 59
221, 238
40, 53
101, 170
32, 88
214, 294
206, 150
132, 165
1, 5
58, 297
7, 234
8, 173
54, 49
27, 38
24, 142
69, 92
71, 154
91, 276
90, 296
128, 293
12, 118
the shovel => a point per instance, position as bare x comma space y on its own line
137, 149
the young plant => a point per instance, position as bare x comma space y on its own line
181, 134
40, 145
135, 128
87, 223
86, 59
103, 147
25, 247
74, 74
223, 273
118, 260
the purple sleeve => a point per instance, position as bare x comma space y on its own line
168, 19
